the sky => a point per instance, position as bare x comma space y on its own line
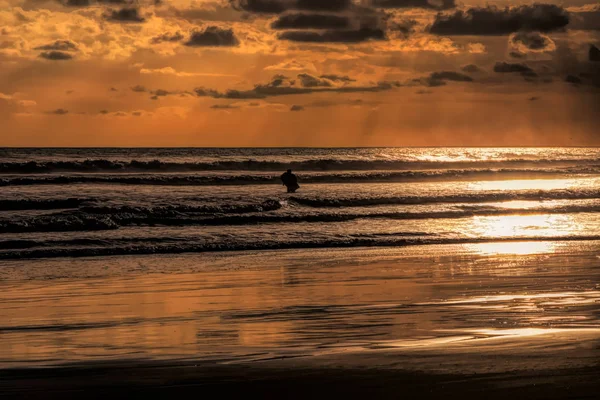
299, 73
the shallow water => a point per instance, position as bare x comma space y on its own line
241, 307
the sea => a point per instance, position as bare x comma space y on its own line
101, 202
201, 252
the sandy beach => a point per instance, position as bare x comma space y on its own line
510, 319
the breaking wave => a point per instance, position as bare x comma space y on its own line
350, 177
79, 221
197, 246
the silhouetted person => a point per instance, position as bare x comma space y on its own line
290, 181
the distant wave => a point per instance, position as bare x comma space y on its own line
101, 165
78, 221
196, 246
349, 177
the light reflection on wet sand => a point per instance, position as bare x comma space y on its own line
296, 304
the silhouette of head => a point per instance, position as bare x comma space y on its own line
289, 171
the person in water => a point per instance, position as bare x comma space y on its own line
290, 181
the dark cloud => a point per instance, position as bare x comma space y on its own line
112, 89
137, 113
451, 76
594, 54
55, 55
104, 112
406, 26
334, 36
430, 4
60, 45
283, 86
523, 69
224, 107
532, 41
534, 98
139, 88
168, 37
516, 54
309, 81
471, 68
77, 3
213, 36
338, 78
86, 3
440, 78
492, 20
296, 107
125, 15
311, 21
279, 6
59, 111
160, 93
575, 80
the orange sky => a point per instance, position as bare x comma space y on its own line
305, 73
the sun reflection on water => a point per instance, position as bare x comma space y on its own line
512, 248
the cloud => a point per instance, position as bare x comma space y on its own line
516, 54
59, 45
125, 15
338, 78
224, 107
309, 81
311, 21
160, 93
334, 36
575, 80
440, 78
292, 65
470, 68
429, 4
534, 42
523, 69
492, 20
168, 37
284, 86
172, 71
139, 89
213, 36
26, 103
59, 111
594, 54
280, 6
55, 55
406, 26
86, 3
296, 107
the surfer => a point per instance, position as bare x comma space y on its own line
290, 181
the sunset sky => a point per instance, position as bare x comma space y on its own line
299, 72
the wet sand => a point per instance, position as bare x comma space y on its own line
519, 320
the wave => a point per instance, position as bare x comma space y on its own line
538, 195
177, 210
84, 222
102, 165
35, 204
195, 246
383, 177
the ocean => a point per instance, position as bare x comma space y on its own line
95, 202
200, 254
